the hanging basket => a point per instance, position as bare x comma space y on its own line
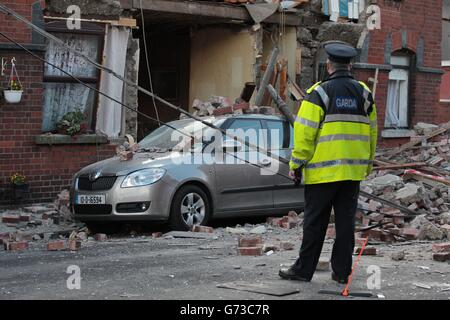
13, 96
14, 92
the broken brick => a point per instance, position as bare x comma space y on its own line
15, 246
25, 217
11, 218
100, 237
286, 245
331, 232
250, 251
446, 228
376, 217
202, 229
293, 214
373, 234
387, 237
4, 237
157, 234
359, 242
368, 251
56, 245
399, 220
441, 247
323, 264
441, 257
395, 231
222, 111
74, 245
410, 233
250, 241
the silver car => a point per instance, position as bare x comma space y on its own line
164, 182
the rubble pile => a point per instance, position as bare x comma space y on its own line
219, 106
49, 222
422, 193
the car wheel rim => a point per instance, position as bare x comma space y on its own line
193, 209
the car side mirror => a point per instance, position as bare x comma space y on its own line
231, 146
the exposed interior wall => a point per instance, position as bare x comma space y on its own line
288, 50
222, 60
130, 94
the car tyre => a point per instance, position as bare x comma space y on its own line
190, 206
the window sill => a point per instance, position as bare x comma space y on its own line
59, 139
397, 133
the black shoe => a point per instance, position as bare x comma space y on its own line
289, 274
338, 279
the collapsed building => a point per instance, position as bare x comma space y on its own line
188, 51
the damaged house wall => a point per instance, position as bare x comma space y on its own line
47, 163
222, 60
129, 118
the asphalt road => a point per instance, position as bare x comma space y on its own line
146, 268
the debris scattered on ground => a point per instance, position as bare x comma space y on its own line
412, 204
398, 255
39, 223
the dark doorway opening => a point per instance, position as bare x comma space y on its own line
169, 61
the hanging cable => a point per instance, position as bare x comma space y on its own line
47, 35
128, 107
130, 83
144, 34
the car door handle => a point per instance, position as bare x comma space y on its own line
265, 162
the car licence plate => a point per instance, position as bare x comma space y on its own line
91, 199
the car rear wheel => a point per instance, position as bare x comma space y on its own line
190, 207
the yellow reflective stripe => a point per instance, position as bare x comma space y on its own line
344, 137
308, 123
346, 118
339, 162
323, 95
313, 87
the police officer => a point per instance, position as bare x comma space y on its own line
335, 136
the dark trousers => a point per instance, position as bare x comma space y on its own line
320, 198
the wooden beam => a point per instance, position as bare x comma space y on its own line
401, 166
204, 9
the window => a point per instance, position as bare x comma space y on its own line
277, 136
251, 132
397, 99
63, 94
446, 32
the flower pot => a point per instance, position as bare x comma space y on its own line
19, 191
13, 96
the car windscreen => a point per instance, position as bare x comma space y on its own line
168, 138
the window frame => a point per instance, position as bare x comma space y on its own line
87, 28
286, 134
409, 69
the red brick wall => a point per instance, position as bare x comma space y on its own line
420, 19
48, 168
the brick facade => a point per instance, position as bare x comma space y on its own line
412, 26
48, 169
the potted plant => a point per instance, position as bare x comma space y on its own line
14, 92
19, 186
73, 123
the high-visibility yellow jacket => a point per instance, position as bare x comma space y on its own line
335, 133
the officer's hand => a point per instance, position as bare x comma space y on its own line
292, 174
